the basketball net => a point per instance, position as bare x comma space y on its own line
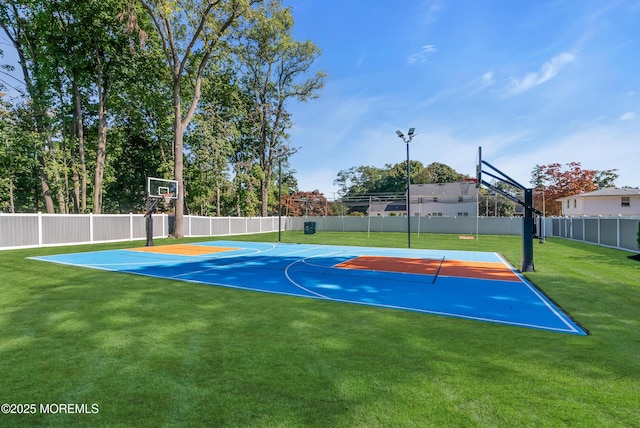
167, 199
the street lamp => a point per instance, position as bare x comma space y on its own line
407, 140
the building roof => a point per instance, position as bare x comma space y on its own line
609, 191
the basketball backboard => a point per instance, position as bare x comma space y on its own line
160, 188
479, 167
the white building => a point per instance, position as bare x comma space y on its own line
439, 200
610, 201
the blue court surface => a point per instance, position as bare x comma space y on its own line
472, 285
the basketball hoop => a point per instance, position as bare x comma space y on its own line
167, 199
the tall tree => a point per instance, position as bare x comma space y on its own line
22, 23
276, 69
553, 182
190, 32
360, 179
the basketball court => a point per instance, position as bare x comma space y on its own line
479, 286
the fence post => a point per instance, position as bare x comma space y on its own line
39, 229
130, 226
91, 228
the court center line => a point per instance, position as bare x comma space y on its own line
438, 271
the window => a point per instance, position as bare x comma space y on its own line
575, 203
460, 199
568, 203
435, 199
626, 201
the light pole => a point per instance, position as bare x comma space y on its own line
279, 196
407, 140
282, 152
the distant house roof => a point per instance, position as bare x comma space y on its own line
609, 191
396, 207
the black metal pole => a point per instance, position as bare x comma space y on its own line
527, 233
408, 199
151, 207
279, 196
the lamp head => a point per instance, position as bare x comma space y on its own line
400, 134
411, 131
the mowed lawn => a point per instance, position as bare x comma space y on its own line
135, 351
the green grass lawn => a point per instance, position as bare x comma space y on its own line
154, 352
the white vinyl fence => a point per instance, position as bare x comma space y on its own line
617, 232
41, 230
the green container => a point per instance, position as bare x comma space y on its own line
309, 227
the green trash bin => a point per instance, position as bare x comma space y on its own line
309, 227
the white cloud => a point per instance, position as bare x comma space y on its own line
421, 56
479, 84
487, 78
548, 71
628, 116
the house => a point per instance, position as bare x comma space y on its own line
440, 200
388, 209
609, 201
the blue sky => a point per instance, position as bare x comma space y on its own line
532, 82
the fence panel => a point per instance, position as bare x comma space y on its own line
199, 226
19, 230
609, 232
60, 229
629, 234
111, 228
592, 230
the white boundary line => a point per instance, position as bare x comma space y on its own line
540, 296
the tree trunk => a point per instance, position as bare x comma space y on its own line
80, 135
12, 207
101, 153
44, 184
218, 200
177, 160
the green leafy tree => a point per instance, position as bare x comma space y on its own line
392, 178
22, 22
276, 70
359, 180
437, 172
395, 179
191, 32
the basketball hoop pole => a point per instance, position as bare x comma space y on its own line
149, 221
527, 220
